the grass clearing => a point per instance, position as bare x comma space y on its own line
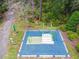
22, 25
13, 48
72, 51
16, 38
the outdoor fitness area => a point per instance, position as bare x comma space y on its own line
43, 44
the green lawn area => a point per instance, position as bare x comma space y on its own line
13, 48
72, 51
22, 25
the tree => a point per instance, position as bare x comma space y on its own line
40, 9
33, 7
60, 10
71, 6
73, 21
3, 7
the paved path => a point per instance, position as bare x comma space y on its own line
4, 34
5, 31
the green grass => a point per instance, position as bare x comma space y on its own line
13, 49
21, 25
72, 35
72, 51
17, 38
41, 25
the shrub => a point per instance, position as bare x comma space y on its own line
73, 21
78, 32
55, 22
72, 35
3, 8
78, 29
62, 27
31, 20
1, 19
77, 47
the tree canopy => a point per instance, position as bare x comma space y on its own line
3, 6
73, 21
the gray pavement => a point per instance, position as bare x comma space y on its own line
4, 35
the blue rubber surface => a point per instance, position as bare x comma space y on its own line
57, 48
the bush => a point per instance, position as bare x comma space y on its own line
78, 29
55, 22
78, 32
77, 47
1, 19
3, 8
62, 27
72, 35
73, 21
31, 20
